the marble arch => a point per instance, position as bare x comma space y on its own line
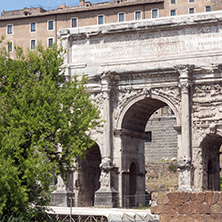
175, 61
132, 101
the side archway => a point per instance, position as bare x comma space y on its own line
87, 177
211, 146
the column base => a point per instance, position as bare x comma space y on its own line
61, 198
106, 197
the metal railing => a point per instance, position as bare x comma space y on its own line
136, 201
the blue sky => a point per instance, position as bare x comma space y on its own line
47, 4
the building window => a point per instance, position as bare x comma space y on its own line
191, 10
149, 136
33, 44
9, 29
172, 12
208, 8
173, 1
121, 17
33, 27
191, 0
50, 42
10, 47
138, 15
51, 25
154, 13
74, 22
100, 19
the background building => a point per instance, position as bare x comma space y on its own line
27, 26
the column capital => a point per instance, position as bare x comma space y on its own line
185, 71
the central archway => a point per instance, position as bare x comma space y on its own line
133, 138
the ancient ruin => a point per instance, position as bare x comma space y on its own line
134, 69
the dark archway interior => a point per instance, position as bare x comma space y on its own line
90, 175
133, 175
211, 161
139, 113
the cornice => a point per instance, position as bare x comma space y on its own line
152, 25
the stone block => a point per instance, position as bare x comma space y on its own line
183, 209
106, 198
201, 197
189, 218
220, 203
209, 197
215, 208
170, 209
203, 208
220, 196
180, 218
157, 209
208, 218
61, 199
217, 217
162, 199
215, 198
185, 196
166, 218
193, 196
172, 196
193, 207
176, 198
199, 218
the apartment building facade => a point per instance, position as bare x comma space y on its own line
27, 26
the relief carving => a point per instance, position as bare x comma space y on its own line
98, 99
207, 102
170, 93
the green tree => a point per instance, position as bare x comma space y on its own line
39, 112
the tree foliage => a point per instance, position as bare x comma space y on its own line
39, 114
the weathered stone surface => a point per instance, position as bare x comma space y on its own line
209, 197
170, 209
193, 196
189, 218
220, 196
215, 198
199, 218
162, 199
216, 208
208, 218
166, 218
201, 197
183, 209
203, 208
157, 209
193, 207
180, 218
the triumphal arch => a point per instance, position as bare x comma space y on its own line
134, 69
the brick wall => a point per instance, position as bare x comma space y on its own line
188, 206
164, 139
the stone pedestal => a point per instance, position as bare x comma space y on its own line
61, 198
106, 197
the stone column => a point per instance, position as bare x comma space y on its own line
65, 42
106, 196
184, 154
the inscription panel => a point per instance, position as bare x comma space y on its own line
136, 45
